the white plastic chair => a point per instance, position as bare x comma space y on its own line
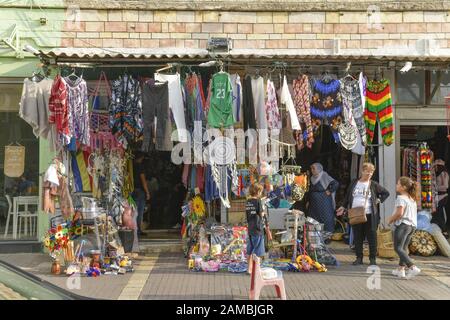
10, 212
30, 219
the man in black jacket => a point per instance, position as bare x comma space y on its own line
364, 192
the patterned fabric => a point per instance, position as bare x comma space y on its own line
58, 109
321, 205
302, 95
126, 110
272, 112
426, 184
326, 106
379, 103
351, 99
78, 110
194, 101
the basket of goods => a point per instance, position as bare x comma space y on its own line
384, 236
339, 231
386, 250
422, 243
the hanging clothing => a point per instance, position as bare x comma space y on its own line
211, 190
272, 111
156, 114
286, 99
326, 106
220, 113
248, 105
237, 97
58, 110
286, 134
194, 101
126, 110
78, 109
379, 103
302, 95
260, 109
34, 109
351, 99
176, 103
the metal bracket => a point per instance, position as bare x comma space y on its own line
13, 41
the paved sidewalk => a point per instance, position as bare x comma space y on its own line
170, 279
165, 276
39, 264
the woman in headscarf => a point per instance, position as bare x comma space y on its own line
442, 181
321, 198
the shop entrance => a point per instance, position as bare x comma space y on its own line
163, 214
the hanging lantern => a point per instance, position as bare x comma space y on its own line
447, 103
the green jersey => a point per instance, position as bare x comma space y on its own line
220, 112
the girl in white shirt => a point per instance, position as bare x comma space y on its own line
405, 220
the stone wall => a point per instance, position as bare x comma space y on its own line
270, 30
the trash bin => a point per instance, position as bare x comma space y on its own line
127, 239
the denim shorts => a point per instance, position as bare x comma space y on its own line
255, 244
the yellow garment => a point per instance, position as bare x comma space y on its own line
83, 172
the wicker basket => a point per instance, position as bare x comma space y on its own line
384, 237
387, 251
338, 236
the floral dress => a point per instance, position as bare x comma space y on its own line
272, 111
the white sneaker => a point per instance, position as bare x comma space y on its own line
399, 273
412, 272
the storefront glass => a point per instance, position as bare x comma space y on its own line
411, 87
19, 162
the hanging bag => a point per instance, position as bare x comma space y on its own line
358, 215
100, 118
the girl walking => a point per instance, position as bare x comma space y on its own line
254, 212
405, 221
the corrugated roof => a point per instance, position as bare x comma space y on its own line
67, 54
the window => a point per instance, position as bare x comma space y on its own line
14, 130
443, 90
411, 87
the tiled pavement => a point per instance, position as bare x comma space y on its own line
103, 287
165, 276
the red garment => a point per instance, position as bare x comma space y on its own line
57, 105
201, 178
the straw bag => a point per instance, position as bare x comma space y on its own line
386, 250
339, 235
384, 237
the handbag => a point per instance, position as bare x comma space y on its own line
358, 215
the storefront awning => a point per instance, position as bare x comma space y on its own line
319, 55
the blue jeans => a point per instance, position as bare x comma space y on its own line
139, 197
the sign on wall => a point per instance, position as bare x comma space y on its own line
14, 161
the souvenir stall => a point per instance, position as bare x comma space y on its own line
422, 149
86, 188
311, 113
